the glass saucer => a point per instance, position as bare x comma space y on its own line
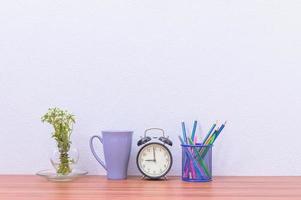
51, 175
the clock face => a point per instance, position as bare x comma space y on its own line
154, 160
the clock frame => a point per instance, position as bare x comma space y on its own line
145, 175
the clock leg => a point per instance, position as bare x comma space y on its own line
165, 178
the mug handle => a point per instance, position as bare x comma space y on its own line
94, 152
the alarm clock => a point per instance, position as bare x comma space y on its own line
154, 159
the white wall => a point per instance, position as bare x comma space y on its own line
125, 64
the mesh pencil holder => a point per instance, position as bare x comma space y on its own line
196, 163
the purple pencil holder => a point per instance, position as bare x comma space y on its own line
196, 163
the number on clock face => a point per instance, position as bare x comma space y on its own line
154, 160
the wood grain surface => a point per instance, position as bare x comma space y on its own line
97, 187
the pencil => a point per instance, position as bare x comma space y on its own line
187, 161
212, 139
184, 133
211, 135
193, 130
191, 158
210, 131
200, 159
220, 130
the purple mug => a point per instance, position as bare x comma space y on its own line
117, 149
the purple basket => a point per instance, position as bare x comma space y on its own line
196, 163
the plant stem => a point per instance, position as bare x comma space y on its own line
64, 167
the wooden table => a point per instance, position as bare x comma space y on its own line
97, 187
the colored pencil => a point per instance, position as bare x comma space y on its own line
193, 130
220, 130
181, 140
200, 159
198, 170
187, 162
212, 139
211, 135
210, 131
184, 133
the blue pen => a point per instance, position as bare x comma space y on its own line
184, 133
208, 134
193, 130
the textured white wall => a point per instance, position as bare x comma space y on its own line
125, 64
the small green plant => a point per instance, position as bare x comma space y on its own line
62, 122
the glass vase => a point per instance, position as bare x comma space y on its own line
64, 162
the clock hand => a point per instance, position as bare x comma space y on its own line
150, 160
154, 154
